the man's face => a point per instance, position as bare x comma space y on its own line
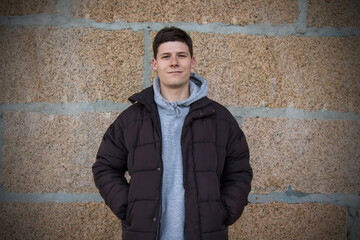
173, 64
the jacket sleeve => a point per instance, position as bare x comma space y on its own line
237, 175
109, 170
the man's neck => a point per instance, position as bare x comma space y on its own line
175, 94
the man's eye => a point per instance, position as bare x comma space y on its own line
165, 57
182, 56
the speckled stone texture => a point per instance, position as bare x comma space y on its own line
310, 155
229, 11
49, 64
26, 7
51, 153
58, 221
290, 221
333, 13
310, 73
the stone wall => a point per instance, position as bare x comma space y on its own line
288, 70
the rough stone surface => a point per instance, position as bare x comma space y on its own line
58, 221
310, 73
229, 11
26, 7
333, 13
96, 221
310, 155
49, 64
45, 153
51, 153
290, 221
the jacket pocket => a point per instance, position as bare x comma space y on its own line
224, 211
128, 213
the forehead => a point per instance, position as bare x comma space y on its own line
171, 47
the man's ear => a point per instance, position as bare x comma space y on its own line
193, 63
154, 64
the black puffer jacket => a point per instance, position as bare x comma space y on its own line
217, 173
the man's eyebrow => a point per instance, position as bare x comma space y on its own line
166, 53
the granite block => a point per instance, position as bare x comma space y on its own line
310, 73
50, 64
51, 153
333, 13
58, 221
313, 156
290, 221
26, 7
198, 11
96, 221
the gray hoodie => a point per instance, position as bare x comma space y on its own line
172, 116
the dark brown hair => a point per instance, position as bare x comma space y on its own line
171, 34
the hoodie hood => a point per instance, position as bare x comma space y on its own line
198, 89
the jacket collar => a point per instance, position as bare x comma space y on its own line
145, 97
200, 108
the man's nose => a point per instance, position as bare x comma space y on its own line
174, 61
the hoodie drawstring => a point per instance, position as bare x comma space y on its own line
178, 111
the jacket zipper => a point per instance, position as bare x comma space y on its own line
160, 202
157, 122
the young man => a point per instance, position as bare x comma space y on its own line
186, 155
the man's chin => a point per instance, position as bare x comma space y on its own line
176, 85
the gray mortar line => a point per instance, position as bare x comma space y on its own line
66, 22
332, 32
301, 20
289, 196
2, 132
64, 108
147, 59
261, 29
49, 197
64, 8
292, 113
238, 112
352, 221
239, 120
295, 197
